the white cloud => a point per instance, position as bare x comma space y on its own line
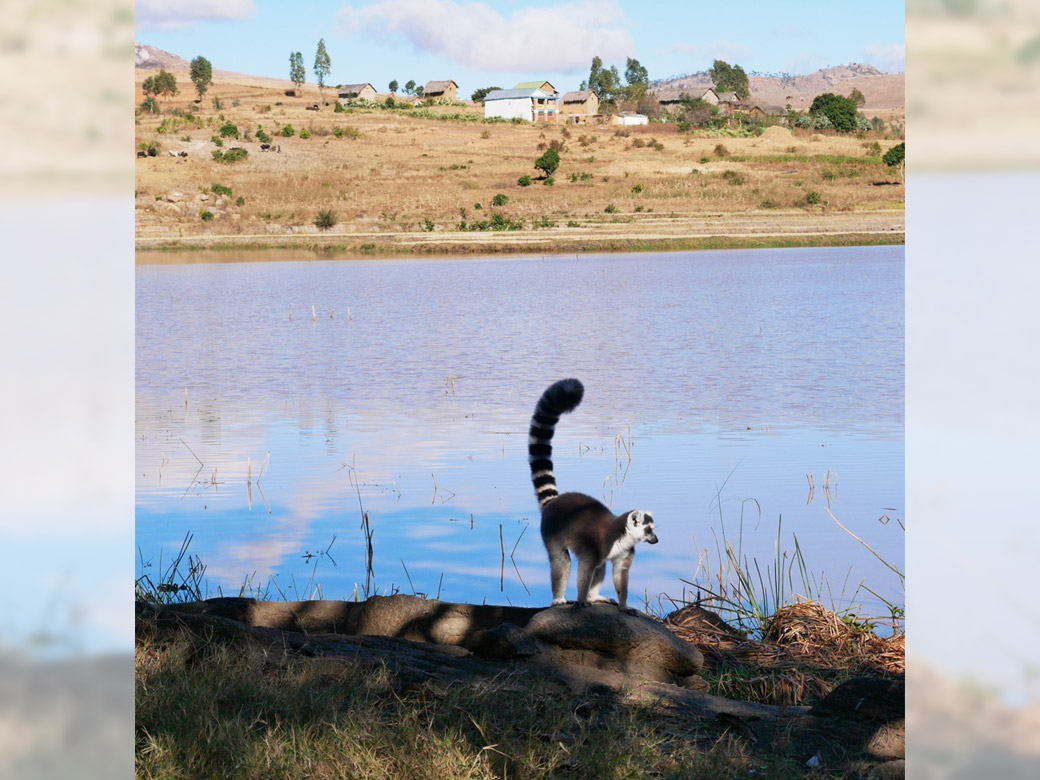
887, 59
705, 54
559, 38
172, 14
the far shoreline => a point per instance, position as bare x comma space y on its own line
224, 249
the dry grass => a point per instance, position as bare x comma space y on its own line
403, 170
206, 709
806, 651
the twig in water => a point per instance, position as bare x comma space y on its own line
314, 314
502, 572
290, 312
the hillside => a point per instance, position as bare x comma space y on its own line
883, 91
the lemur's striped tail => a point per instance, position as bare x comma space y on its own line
560, 398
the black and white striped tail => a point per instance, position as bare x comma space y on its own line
560, 398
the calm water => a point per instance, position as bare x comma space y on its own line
745, 376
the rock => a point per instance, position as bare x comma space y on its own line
503, 643
601, 636
865, 700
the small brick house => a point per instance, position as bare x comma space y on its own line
445, 90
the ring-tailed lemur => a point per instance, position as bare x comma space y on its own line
575, 521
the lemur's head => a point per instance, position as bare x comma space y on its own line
640, 526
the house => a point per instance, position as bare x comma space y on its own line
357, 92
575, 104
671, 99
629, 118
532, 105
544, 86
445, 90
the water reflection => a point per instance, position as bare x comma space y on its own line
405, 392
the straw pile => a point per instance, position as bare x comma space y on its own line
805, 652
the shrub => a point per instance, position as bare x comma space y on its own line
721, 151
812, 198
524, 181
288, 131
230, 156
733, 177
240, 201
325, 219
220, 189
428, 225
206, 215
150, 105
305, 133
347, 131
610, 209
499, 200
548, 162
217, 140
549, 181
637, 188
262, 136
228, 130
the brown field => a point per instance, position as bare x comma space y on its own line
402, 184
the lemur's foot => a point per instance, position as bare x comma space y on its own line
628, 610
559, 602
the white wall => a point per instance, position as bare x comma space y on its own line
510, 108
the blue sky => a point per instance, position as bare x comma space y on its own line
500, 43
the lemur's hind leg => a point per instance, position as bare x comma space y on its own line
560, 568
594, 585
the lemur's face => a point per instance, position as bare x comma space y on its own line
641, 526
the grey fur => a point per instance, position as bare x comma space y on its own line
578, 523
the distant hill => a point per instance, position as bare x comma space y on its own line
882, 90
148, 57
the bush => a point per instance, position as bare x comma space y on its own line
346, 131
548, 162
721, 151
733, 177
549, 181
637, 188
228, 130
240, 201
524, 181
610, 209
262, 136
895, 155
230, 156
217, 140
812, 198
150, 105
288, 131
305, 133
499, 200
325, 220
220, 189
206, 216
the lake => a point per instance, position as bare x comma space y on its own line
755, 396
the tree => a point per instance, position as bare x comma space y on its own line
201, 75
322, 66
694, 112
840, 111
420, 91
606, 83
393, 87
896, 156
548, 162
730, 78
162, 84
636, 75
481, 93
297, 72
857, 97
409, 87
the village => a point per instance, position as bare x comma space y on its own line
265, 164
540, 101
